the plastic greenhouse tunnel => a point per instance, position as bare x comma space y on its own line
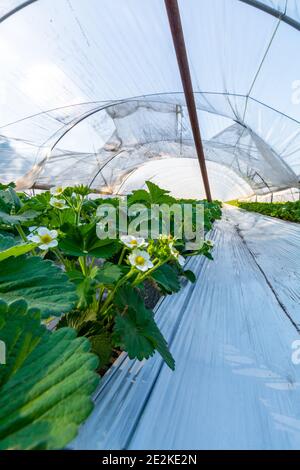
149, 229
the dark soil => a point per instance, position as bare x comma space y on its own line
151, 294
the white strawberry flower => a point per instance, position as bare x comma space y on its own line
57, 190
44, 238
133, 242
141, 260
175, 253
58, 203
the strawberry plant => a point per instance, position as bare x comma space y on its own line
282, 210
51, 256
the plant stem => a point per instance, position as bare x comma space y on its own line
92, 264
110, 296
23, 236
21, 233
107, 310
78, 211
82, 264
122, 255
59, 256
77, 217
101, 292
142, 277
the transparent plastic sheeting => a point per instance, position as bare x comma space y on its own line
224, 182
90, 92
291, 195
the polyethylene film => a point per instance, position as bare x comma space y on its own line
90, 93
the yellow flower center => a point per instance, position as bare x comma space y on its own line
140, 260
59, 204
133, 242
59, 189
46, 238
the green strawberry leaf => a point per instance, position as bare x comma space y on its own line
46, 383
41, 283
109, 273
135, 329
167, 277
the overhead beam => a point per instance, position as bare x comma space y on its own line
183, 64
16, 9
47, 187
254, 3
273, 12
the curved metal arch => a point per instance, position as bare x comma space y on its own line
253, 3
108, 103
273, 12
53, 140
131, 170
58, 136
15, 10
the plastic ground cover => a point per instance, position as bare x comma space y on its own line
235, 385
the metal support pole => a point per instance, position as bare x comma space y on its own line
182, 59
47, 187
